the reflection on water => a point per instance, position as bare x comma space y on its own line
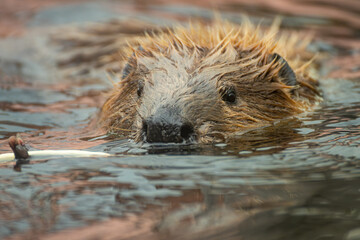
296, 179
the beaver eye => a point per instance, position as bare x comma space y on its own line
228, 95
140, 88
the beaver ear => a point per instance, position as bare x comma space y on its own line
285, 72
129, 67
131, 64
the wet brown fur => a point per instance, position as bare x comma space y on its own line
221, 53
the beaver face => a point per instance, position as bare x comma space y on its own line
182, 98
179, 92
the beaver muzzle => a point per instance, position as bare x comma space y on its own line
166, 126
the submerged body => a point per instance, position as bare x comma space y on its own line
206, 83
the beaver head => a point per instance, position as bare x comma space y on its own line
206, 83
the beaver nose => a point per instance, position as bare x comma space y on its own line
161, 131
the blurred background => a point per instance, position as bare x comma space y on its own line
298, 179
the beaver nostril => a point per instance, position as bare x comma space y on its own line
155, 131
144, 126
186, 131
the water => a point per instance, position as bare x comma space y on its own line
298, 179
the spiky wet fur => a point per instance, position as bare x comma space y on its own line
186, 68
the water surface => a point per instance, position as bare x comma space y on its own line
297, 179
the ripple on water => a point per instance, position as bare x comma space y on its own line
32, 96
303, 175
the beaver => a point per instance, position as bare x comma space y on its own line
208, 82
